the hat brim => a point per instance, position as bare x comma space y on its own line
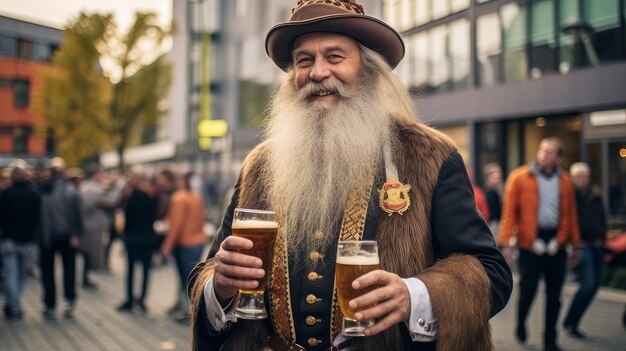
369, 31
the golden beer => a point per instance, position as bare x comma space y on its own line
348, 269
260, 227
263, 236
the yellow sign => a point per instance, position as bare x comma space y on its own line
212, 128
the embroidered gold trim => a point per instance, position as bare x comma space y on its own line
351, 229
280, 294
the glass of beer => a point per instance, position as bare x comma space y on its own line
260, 227
354, 258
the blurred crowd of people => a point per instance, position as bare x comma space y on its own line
70, 212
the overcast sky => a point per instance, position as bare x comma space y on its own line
56, 13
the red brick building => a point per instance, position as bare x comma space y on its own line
25, 48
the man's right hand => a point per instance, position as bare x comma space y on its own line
234, 270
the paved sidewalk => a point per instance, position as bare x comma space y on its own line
98, 326
602, 323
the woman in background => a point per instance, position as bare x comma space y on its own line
185, 238
139, 209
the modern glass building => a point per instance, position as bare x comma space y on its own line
499, 75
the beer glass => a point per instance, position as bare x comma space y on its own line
354, 258
260, 227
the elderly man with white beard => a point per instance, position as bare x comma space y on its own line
344, 158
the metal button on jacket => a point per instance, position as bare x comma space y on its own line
311, 299
314, 255
313, 341
312, 276
311, 320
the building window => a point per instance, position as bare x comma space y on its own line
570, 51
459, 51
459, 5
514, 37
441, 8
439, 72
20, 88
41, 52
422, 11
8, 46
25, 48
419, 77
488, 49
20, 140
542, 38
603, 16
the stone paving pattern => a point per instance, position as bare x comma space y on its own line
98, 326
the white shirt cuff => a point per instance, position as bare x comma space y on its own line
220, 318
422, 323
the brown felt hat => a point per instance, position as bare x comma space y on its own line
333, 16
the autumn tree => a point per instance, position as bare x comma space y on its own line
105, 88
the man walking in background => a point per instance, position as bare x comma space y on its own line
539, 201
593, 227
20, 211
61, 231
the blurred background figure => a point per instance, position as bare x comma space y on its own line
97, 205
75, 175
185, 237
139, 204
593, 228
540, 210
492, 175
20, 213
61, 231
165, 186
113, 180
479, 197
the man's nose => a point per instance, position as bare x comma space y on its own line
319, 71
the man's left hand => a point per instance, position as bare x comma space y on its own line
390, 301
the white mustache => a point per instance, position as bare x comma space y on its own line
323, 88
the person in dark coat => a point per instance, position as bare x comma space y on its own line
62, 228
139, 212
492, 176
593, 228
20, 214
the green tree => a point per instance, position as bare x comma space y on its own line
105, 88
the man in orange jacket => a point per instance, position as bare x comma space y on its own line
540, 209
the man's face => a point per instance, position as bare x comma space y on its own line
581, 179
324, 61
548, 156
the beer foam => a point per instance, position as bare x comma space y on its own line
254, 224
358, 260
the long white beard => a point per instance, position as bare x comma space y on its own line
319, 154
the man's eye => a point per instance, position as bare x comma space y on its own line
303, 62
334, 58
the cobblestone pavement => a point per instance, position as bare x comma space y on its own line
98, 326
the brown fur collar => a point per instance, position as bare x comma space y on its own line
458, 285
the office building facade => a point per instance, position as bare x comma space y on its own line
499, 75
